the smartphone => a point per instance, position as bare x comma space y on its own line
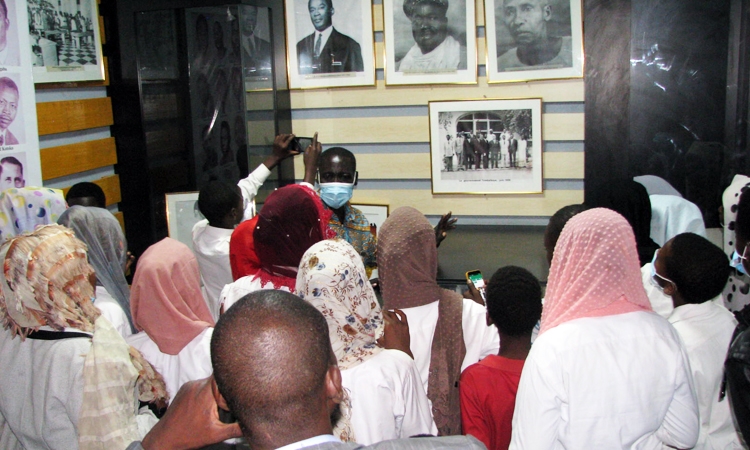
300, 143
475, 276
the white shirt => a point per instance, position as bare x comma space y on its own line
112, 311
388, 400
614, 382
192, 363
443, 58
211, 244
41, 390
324, 35
322, 439
240, 288
706, 330
480, 340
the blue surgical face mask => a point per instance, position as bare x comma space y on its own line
736, 262
335, 195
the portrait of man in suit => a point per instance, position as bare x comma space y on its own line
256, 51
8, 109
326, 50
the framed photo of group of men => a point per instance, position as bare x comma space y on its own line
331, 42
486, 146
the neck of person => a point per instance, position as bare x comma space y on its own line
340, 213
514, 347
539, 52
678, 300
271, 437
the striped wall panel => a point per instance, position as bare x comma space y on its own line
387, 128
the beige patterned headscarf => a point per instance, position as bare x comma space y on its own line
46, 282
332, 278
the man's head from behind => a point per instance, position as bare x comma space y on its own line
514, 301
8, 102
695, 269
527, 20
222, 204
274, 365
86, 194
429, 24
11, 173
321, 13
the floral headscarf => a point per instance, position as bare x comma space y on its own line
23, 209
45, 282
332, 278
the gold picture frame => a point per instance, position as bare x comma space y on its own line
346, 54
407, 59
487, 146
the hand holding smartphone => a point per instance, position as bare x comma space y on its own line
475, 277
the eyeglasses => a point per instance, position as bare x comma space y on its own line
655, 277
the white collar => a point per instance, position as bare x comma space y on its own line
322, 439
324, 39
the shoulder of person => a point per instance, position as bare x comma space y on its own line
428, 443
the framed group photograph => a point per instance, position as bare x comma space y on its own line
430, 42
330, 43
65, 41
486, 146
533, 40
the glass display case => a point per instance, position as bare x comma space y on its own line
210, 80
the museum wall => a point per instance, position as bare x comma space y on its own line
387, 128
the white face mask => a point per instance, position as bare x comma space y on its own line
336, 195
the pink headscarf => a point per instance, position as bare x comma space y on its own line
166, 299
595, 270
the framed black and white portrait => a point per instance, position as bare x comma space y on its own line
486, 146
430, 41
533, 40
65, 41
329, 43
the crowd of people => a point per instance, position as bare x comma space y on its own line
271, 334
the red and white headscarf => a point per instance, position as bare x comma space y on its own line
595, 271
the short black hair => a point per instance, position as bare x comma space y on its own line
698, 268
742, 222
12, 160
328, 2
514, 300
217, 199
342, 153
87, 189
560, 218
270, 353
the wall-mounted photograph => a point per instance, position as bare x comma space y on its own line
65, 41
430, 42
486, 146
533, 40
330, 43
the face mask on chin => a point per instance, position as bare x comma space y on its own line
335, 195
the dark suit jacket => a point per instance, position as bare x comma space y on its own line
340, 54
260, 59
